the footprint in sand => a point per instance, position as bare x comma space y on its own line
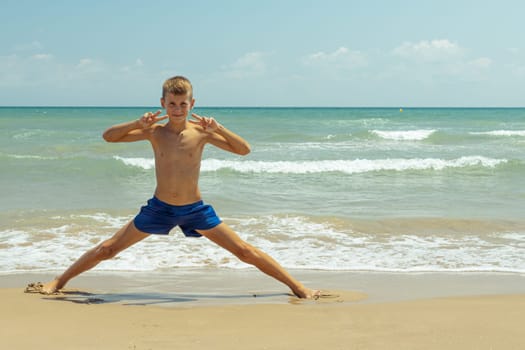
334, 296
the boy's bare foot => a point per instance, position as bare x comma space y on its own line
43, 288
307, 293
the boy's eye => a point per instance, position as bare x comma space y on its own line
183, 105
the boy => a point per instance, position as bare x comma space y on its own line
177, 147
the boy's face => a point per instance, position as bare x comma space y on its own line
177, 106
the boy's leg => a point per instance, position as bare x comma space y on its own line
225, 237
124, 238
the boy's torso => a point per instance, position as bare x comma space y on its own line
177, 164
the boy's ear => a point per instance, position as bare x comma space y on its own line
162, 102
192, 103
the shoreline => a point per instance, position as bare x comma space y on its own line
204, 287
217, 310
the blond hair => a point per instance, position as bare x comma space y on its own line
177, 85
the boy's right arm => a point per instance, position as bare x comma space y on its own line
132, 131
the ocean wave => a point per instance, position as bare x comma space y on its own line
349, 166
294, 241
322, 166
406, 135
30, 156
144, 163
500, 133
26, 134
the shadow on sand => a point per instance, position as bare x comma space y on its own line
80, 297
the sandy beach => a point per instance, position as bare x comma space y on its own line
223, 309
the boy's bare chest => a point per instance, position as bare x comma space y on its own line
177, 148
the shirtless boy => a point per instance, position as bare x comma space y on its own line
178, 146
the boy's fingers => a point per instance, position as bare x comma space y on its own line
196, 116
151, 114
163, 117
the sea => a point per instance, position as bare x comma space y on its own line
343, 189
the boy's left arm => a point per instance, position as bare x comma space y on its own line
222, 137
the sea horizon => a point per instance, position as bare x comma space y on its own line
268, 107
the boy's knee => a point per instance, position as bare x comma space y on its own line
106, 251
247, 253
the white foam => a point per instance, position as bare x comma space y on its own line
501, 133
344, 166
26, 134
30, 156
406, 135
144, 163
294, 241
348, 166
105, 219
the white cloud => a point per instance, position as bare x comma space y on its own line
249, 65
8, 61
481, 63
130, 68
27, 70
342, 58
439, 61
32, 46
88, 67
441, 50
42, 56
518, 70
85, 62
82, 80
9, 67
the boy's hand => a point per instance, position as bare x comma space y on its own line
208, 124
148, 119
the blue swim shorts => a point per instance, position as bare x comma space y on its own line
158, 217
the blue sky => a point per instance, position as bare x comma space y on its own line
264, 53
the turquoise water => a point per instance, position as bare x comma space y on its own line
331, 188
